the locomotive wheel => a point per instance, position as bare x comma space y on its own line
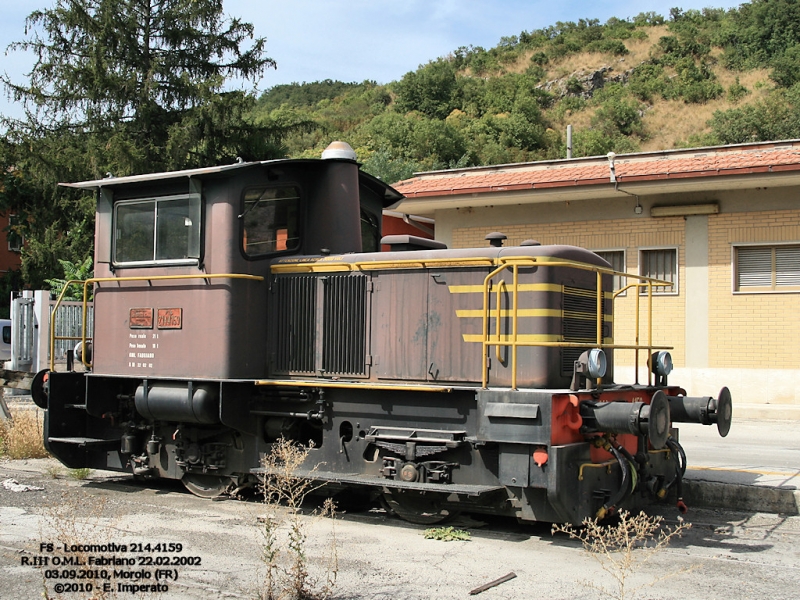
416, 507
206, 486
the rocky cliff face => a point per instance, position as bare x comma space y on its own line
584, 83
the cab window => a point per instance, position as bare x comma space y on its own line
157, 230
270, 220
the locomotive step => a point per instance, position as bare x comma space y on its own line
371, 480
83, 441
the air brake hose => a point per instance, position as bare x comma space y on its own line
680, 469
623, 488
634, 469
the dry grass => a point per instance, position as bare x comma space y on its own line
670, 122
749, 79
639, 50
22, 436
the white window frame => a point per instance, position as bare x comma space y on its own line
195, 198
675, 290
758, 290
624, 268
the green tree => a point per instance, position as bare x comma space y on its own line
760, 31
72, 272
122, 87
431, 89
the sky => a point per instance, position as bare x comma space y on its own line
357, 40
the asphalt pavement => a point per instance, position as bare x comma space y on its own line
755, 468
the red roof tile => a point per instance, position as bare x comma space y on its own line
705, 162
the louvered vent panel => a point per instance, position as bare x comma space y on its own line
580, 320
787, 266
344, 340
755, 267
579, 324
296, 323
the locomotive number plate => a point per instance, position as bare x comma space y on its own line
141, 318
170, 318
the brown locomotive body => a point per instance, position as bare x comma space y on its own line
240, 304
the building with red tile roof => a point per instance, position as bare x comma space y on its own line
722, 223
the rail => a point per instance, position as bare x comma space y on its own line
87, 282
514, 264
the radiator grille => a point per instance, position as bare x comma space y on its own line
295, 332
579, 324
344, 338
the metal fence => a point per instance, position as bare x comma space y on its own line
30, 326
69, 320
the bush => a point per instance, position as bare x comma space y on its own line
647, 81
621, 549
775, 118
595, 142
539, 58
786, 68
737, 91
614, 47
21, 437
618, 116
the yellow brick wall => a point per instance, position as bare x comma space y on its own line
619, 234
751, 330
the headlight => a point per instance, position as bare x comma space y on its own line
661, 363
596, 362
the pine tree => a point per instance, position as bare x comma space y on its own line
122, 87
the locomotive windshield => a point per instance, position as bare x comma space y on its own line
271, 221
157, 230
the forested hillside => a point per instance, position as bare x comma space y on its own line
644, 83
105, 99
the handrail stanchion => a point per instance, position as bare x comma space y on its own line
514, 327
649, 329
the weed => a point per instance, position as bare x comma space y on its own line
21, 437
447, 534
72, 524
284, 530
53, 471
80, 474
622, 548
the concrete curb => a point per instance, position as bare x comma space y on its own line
737, 496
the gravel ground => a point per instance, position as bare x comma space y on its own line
725, 555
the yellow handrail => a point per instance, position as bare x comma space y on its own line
514, 263
93, 280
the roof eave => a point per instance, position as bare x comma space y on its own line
429, 202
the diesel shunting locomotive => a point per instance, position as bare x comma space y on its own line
241, 304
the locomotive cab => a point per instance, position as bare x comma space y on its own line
183, 259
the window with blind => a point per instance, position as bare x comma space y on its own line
660, 263
767, 268
616, 258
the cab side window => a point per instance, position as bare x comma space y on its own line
271, 222
157, 230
